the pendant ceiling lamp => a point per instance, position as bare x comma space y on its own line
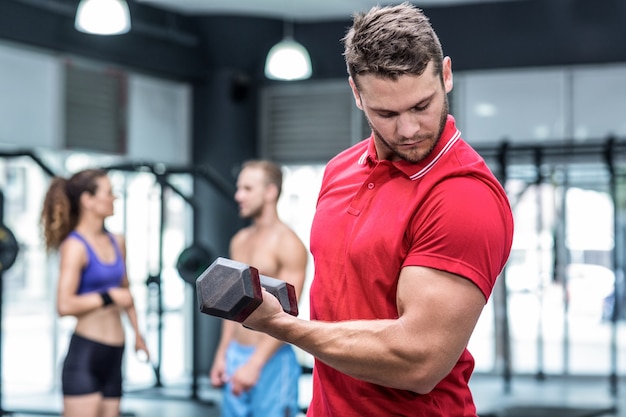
103, 17
288, 60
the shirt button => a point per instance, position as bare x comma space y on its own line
370, 185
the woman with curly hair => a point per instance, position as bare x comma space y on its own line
93, 287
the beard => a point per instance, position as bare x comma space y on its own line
251, 213
415, 155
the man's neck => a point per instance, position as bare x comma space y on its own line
266, 219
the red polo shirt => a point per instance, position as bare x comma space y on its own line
373, 217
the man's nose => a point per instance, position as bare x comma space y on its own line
408, 124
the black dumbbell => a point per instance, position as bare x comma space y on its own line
232, 290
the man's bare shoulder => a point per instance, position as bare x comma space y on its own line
242, 234
289, 244
287, 234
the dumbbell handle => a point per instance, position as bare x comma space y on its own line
283, 291
232, 290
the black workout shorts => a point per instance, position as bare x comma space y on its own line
91, 367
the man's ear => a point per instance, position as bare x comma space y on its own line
355, 93
447, 74
271, 192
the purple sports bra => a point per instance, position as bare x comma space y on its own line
98, 276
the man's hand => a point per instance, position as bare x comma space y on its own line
261, 318
218, 374
245, 378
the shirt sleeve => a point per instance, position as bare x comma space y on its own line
463, 227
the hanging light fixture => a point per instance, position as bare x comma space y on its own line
103, 17
288, 60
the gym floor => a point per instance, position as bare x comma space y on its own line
526, 397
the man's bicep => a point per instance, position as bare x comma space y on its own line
441, 309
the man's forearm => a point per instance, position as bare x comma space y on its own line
376, 351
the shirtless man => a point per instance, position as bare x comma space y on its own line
260, 374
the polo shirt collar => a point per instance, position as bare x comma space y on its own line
415, 171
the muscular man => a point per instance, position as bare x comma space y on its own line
259, 373
410, 233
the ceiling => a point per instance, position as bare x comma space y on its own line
299, 10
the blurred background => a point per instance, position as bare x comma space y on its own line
173, 106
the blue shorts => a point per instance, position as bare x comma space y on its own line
276, 391
91, 367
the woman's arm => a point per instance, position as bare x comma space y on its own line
131, 312
73, 258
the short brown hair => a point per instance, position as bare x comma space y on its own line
273, 172
391, 41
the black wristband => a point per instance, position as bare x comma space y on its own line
106, 298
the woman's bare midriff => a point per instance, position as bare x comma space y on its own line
103, 325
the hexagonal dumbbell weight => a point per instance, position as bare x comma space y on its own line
232, 290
